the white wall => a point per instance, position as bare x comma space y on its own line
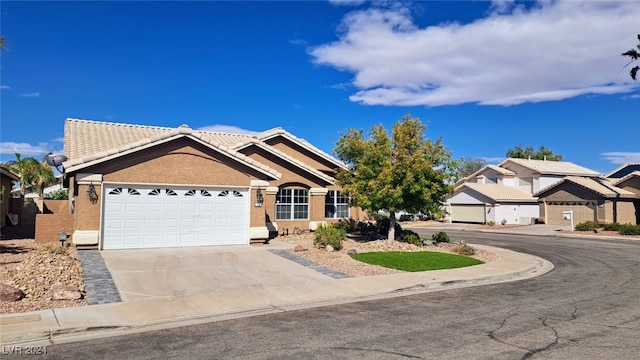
546, 181
464, 198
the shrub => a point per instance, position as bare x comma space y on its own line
612, 227
464, 249
328, 236
366, 227
628, 229
587, 226
60, 194
342, 226
411, 237
383, 227
440, 237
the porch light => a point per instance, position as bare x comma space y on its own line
93, 195
259, 198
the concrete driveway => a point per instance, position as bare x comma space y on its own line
156, 273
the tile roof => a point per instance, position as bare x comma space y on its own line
599, 185
77, 130
622, 167
495, 168
501, 193
617, 181
551, 167
6, 172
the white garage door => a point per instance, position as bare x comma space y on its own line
136, 216
467, 213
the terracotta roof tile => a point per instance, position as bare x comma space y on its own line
501, 193
551, 167
599, 185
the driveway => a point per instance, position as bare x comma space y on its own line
157, 273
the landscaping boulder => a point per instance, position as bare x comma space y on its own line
9, 293
66, 292
330, 248
299, 248
352, 252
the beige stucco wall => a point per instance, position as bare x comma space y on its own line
632, 184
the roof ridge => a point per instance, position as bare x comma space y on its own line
119, 124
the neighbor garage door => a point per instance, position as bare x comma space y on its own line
136, 216
467, 213
582, 211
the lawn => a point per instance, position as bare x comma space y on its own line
416, 261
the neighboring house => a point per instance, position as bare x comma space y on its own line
134, 186
624, 170
595, 199
526, 176
483, 203
6, 182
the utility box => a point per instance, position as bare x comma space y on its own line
567, 215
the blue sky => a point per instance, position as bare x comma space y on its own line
485, 76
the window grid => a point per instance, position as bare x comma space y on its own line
336, 205
292, 204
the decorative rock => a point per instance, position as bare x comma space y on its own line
300, 248
9, 293
66, 292
352, 252
330, 248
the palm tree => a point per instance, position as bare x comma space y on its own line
32, 173
43, 177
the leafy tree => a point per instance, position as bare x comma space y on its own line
33, 174
467, 166
397, 171
530, 153
635, 56
60, 194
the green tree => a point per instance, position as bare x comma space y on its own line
60, 194
467, 166
530, 153
397, 171
634, 54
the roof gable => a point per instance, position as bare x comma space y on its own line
601, 186
545, 167
500, 193
76, 164
624, 170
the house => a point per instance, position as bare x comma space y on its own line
6, 184
135, 186
478, 204
500, 204
624, 170
595, 199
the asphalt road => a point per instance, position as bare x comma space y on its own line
588, 307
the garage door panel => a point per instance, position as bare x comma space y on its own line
152, 216
468, 213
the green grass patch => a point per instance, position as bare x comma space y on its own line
416, 261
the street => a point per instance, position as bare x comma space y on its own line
588, 307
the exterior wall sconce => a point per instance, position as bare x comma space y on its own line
93, 195
259, 198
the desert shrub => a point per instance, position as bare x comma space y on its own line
411, 237
612, 227
343, 226
440, 237
628, 229
383, 228
587, 226
328, 236
464, 249
491, 223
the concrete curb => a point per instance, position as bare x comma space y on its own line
510, 266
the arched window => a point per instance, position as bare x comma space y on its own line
292, 204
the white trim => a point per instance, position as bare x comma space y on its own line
318, 191
86, 178
272, 190
86, 237
259, 232
259, 184
106, 183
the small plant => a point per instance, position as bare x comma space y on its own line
491, 223
628, 229
328, 236
464, 249
440, 237
411, 237
342, 226
60, 194
56, 249
587, 226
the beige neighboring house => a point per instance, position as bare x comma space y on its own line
135, 186
595, 199
6, 182
469, 204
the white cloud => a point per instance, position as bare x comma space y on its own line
5, 87
551, 51
636, 96
621, 157
31, 94
346, 2
493, 160
24, 149
228, 129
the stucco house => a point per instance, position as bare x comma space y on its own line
479, 204
595, 199
6, 182
624, 170
136, 186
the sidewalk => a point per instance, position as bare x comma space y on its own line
95, 321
